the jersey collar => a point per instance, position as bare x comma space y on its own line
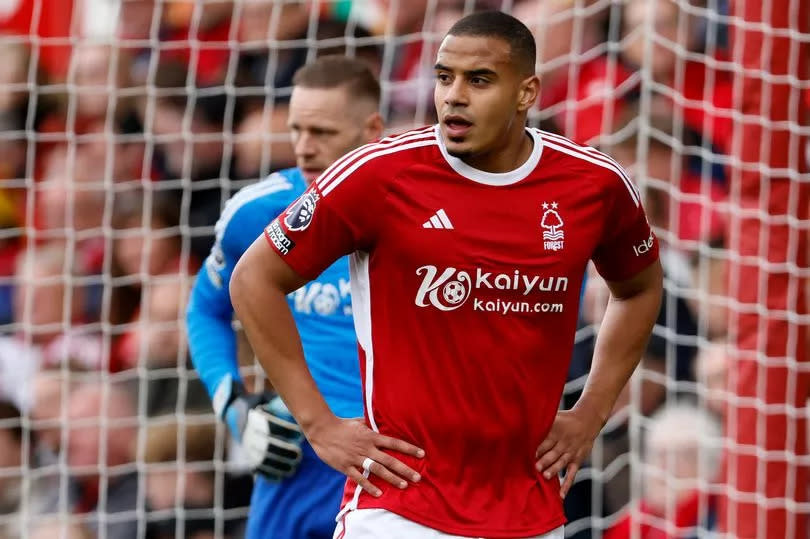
494, 178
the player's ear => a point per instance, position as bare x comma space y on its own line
529, 92
373, 127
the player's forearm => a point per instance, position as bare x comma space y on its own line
259, 300
211, 339
212, 344
621, 341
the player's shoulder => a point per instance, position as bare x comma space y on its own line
381, 159
275, 191
598, 166
403, 143
277, 185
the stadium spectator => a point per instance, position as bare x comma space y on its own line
70, 197
51, 391
13, 162
148, 241
14, 59
711, 372
13, 153
52, 23
148, 244
591, 101
192, 152
11, 459
262, 141
401, 25
172, 384
70, 210
101, 83
19, 460
135, 29
682, 194
59, 527
160, 331
104, 415
681, 454
135, 22
98, 103
554, 24
49, 308
49, 298
49, 424
709, 299
182, 476
193, 32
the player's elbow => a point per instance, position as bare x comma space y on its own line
239, 284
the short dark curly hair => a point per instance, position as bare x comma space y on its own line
505, 27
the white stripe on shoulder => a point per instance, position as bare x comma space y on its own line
593, 151
274, 183
596, 159
373, 155
333, 170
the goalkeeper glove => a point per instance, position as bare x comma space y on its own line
263, 426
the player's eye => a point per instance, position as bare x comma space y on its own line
443, 77
478, 81
322, 133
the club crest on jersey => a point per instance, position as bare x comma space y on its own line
552, 223
300, 214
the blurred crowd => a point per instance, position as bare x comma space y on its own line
116, 160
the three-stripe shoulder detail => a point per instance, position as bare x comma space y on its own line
349, 163
592, 155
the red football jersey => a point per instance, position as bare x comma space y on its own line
465, 290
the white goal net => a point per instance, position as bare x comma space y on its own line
126, 124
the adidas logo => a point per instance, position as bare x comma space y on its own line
438, 220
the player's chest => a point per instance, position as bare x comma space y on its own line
541, 225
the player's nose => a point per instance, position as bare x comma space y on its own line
305, 147
456, 94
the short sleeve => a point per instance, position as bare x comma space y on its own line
628, 244
329, 220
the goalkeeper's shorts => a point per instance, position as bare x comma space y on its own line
303, 506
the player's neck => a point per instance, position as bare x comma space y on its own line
508, 156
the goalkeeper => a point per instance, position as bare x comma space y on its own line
333, 109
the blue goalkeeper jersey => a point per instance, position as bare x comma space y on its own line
322, 308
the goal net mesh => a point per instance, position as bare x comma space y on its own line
126, 124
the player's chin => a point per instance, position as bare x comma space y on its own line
458, 147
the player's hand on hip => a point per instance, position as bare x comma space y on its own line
352, 448
567, 445
267, 432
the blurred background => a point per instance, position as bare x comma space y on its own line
126, 124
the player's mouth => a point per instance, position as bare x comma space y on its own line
311, 174
456, 126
